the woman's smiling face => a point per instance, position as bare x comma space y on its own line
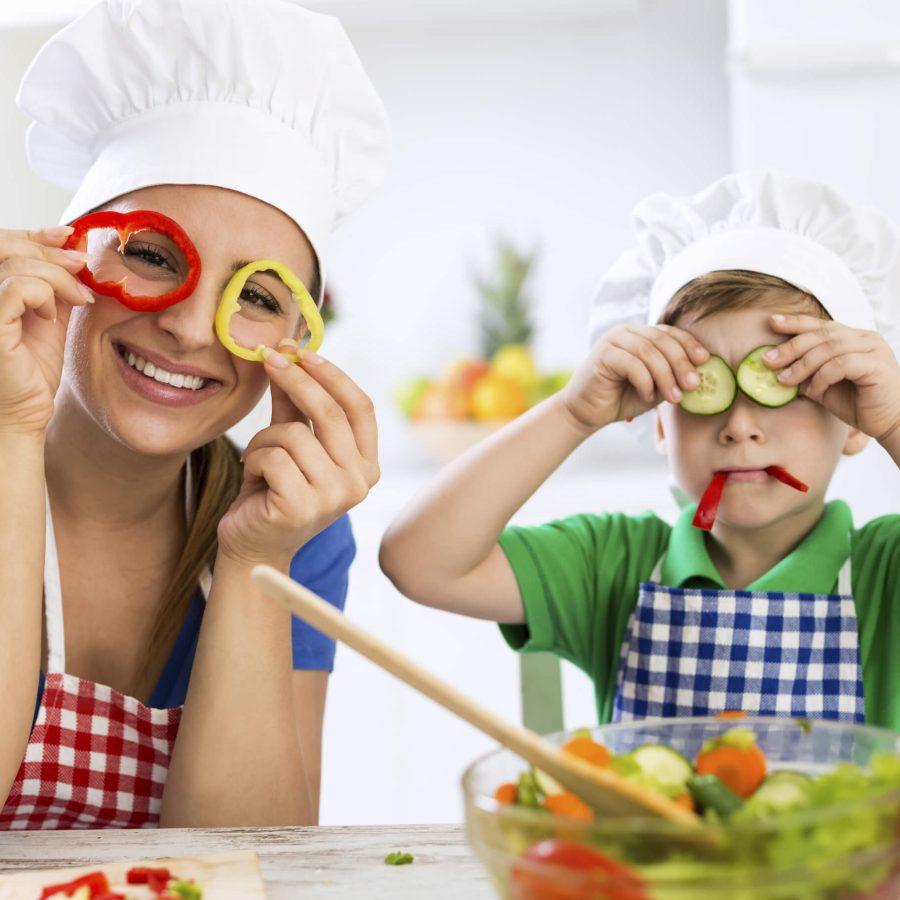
228, 229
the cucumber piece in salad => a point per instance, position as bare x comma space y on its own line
781, 790
664, 766
716, 392
760, 383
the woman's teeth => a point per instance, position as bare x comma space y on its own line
189, 382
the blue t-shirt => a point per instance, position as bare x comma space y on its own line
321, 564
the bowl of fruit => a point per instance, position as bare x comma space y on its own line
473, 398
788, 809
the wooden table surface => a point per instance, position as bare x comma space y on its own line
296, 862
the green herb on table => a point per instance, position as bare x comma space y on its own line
398, 858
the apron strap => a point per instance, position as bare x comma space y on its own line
56, 641
845, 579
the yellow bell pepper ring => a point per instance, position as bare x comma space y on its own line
229, 305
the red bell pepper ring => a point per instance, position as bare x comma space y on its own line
96, 882
786, 478
127, 224
709, 502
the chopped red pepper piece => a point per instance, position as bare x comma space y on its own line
158, 880
786, 478
127, 224
142, 874
96, 882
709, 502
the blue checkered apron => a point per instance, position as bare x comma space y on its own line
694, 652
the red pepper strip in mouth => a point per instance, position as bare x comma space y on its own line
709, 502
785, 477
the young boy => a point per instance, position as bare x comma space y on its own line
784, 607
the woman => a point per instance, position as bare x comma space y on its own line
253, 127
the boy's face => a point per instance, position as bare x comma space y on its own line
802, 436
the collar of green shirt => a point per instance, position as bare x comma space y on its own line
811, 568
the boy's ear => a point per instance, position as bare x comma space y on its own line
659, 435
856, 441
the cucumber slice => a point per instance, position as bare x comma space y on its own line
546, 785
624, 765
709, 793
781, 790
665, 766
716, 392
760, 383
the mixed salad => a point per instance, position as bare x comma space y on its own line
763, 821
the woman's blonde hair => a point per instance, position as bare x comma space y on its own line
217, 475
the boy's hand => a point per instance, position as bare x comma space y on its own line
631, 369
853, 373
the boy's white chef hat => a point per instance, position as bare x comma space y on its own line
848, 257
259, 96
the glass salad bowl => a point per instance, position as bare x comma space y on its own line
843, 843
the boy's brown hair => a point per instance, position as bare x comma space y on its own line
737, 289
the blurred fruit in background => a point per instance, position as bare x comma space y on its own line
327, 309
497, 397
409, 394
498, 390
514, 361
473, 396
442, 401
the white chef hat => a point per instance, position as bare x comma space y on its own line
847, 257
259, 96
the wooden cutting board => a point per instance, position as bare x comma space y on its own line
224, 876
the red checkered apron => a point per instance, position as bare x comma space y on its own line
96, 757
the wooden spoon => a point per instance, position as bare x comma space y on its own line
606, 791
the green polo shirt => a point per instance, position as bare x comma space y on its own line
579, 579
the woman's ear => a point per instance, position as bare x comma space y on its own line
659, 434
856, 441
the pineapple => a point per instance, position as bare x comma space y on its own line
505, 314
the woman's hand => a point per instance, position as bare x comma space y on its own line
317, 459
35, 274
853, 373
630, 370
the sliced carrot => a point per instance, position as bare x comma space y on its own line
567, 804
685, 801
731, 714
506, 794
589, 750
740, 768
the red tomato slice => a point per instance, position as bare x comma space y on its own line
592, 875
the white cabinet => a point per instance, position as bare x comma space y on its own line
815, 91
